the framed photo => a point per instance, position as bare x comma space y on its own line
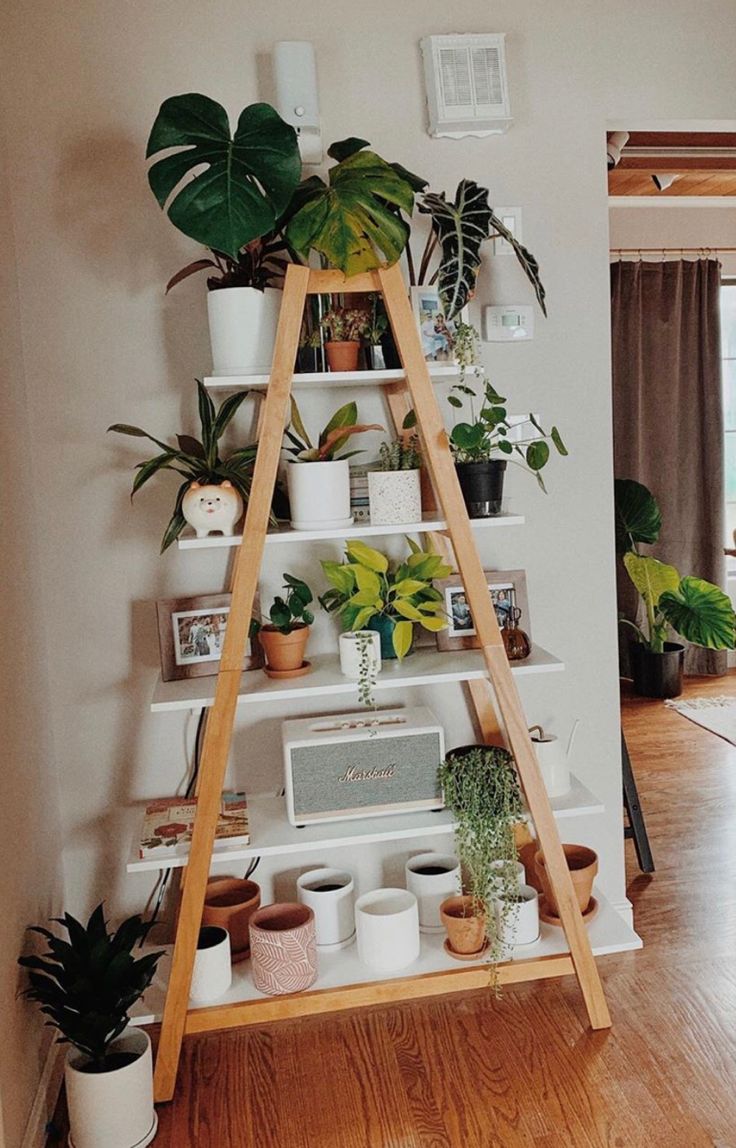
507, 589
191, 632
437, 335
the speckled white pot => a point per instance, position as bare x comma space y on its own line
394, 496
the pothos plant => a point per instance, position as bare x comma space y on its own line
366, 586
697, 610
341, 427
481, 788
196, 459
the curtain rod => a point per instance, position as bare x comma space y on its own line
702, 251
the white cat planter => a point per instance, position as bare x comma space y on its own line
212, 508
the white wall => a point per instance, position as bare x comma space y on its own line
670, 226
81, 88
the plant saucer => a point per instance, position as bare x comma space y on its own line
466, 956
304, 668
550, 919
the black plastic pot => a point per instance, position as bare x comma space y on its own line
482, 486
657, 675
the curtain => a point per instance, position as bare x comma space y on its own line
668, 415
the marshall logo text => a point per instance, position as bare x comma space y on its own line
352, 774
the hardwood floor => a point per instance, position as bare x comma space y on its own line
474, 1072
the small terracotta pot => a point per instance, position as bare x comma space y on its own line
528, 858
342, 356
283, 948
230, 903
284, 651
583, 865
466, 933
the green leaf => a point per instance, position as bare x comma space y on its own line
207, 419
402, 638
434, 624
461, 228
352, 222
341, 149
367, 580
177, 522
346, 416
638, 518
228, 409
342, 577
527, 261
651, 577
364, 598
407, 610
454, 401
409, 586
136, 432
363, 617
249, 178
298, 424
557, 440
701, 612
537, 454
146, 470
366, 556
410, 420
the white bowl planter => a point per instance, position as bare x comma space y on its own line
387, 924
319, 494
432, 878
115, 1108
242, 329
350, 655
330, 894
521, 926
394, 496
212, 974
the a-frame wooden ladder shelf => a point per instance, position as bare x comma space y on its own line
415, 389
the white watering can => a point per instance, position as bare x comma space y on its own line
553, 759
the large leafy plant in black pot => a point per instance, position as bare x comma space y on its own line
698, 611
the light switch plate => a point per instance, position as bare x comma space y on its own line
511, 219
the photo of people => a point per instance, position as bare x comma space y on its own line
507, 589
437, 335
198, 636
191, 635
503, 597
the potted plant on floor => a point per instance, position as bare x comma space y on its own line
369, 593
284, 638
215, 488
394, 487
481, 789
482, 447
319, 480
344, 327
695, 609
86, 986
237, 205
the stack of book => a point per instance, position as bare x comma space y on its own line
359, 493
169, 821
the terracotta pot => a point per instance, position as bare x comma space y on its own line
583, 865
528, 858
283, 948
342, 356
465, 932
230, 903
284, 651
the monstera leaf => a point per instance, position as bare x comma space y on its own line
353, 221
249, 178
638, 518
701, 612
461, 228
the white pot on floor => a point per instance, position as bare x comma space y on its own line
319, 494
112, 1109
394, 496
243, 325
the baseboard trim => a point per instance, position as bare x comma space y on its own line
625, 909
45, 1100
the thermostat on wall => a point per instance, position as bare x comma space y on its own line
507, 323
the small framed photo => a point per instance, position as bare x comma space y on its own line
191, 632
437, 335
507, 589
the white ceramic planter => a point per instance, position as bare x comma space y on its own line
521, 926
242, 329
394, 496
552, 760
330, 894
432, 878
319, 494
387, 924
350, 656
515, 866
114, 1109
212, 975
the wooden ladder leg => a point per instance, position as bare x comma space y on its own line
218, 734
455, 514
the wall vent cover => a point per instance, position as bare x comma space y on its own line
467, 89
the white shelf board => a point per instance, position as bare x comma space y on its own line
608, 933
285, 533
273, 835
320, 378
424, 667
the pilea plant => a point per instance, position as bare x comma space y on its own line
332, 439
400, 454
291, 610
481, 788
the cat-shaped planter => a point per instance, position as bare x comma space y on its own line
212, 508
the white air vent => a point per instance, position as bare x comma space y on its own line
467, 91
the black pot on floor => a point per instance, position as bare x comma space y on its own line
482, 486
657, 675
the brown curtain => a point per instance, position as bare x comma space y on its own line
668, 414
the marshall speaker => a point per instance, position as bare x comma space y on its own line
362, 765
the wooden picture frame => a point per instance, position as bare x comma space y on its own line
191, 632
507, 589
437, 344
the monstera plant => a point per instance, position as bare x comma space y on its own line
695, 609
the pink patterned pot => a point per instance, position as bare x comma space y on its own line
283, 948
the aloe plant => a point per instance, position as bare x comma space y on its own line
196, 460
87, 984
697, 610
341, 427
